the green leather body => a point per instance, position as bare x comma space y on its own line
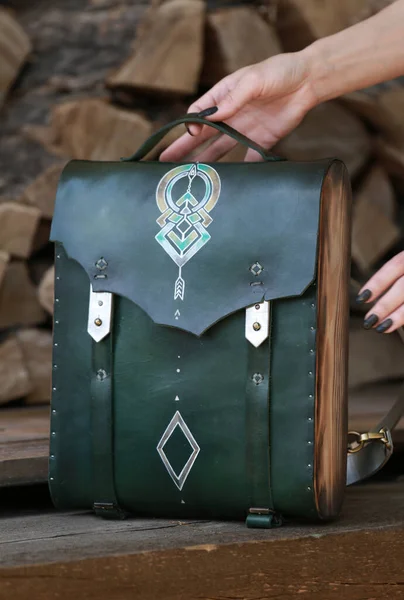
256, 441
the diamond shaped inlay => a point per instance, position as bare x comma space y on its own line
256, 269
101, 264
178, 478
184, 226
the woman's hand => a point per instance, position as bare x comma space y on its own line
265, 102
387, 285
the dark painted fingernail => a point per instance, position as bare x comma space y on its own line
370, 321
363, 297
188, 129
208, 111
384, 326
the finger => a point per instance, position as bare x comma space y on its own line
186, 144
383, 279
253, 156
217, 149
387, 304
229, 95
392, 322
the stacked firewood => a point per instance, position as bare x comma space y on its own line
93, 80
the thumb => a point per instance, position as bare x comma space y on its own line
229, 96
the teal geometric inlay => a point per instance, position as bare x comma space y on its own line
183, 222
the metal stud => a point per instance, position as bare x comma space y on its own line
101, 374
257, 378
98, 322
256, 326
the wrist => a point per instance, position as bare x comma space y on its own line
318, 68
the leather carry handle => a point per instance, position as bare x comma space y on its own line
156, 137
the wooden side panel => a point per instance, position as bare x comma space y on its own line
332, 342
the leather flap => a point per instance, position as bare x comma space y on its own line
192, 243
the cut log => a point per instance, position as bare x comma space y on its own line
168, 57
373, 233
42, 191
329, 130
14, 50
4, 259
18, 299
92, 129
46, 290
373, 357
39, 266
391, 157
36, 345
18, 226
301, 22
384, 111
42, 235
43, 135
236, 37
377, 187
14, 377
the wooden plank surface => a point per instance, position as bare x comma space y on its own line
24, 439
359, 556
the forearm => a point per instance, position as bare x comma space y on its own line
360, 56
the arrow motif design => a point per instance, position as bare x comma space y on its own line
179, 290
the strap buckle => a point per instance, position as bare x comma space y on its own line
362, 439
261, 511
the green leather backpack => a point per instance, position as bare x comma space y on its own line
200, 339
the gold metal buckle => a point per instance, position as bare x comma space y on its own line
362, 439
